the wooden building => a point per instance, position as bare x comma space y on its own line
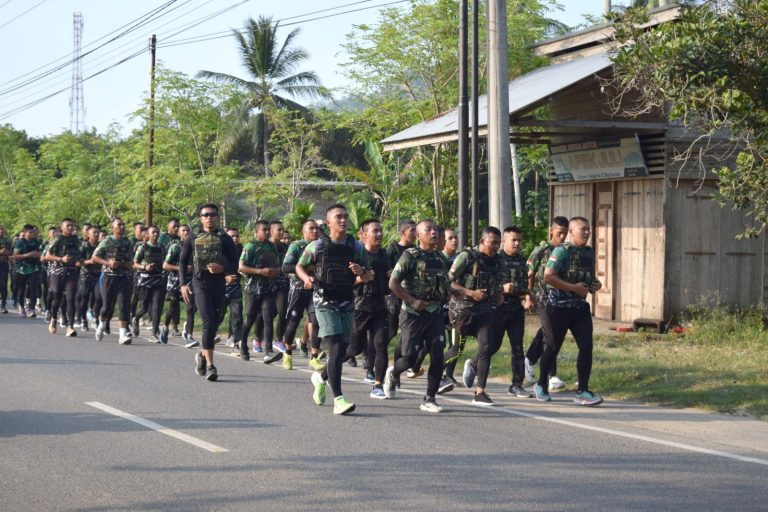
661, 242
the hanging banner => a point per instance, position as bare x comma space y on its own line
598, 160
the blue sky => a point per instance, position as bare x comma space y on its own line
42, 38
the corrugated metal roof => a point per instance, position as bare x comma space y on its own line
524, 92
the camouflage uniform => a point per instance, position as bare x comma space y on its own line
115, 284
424, 275
260, 290
511, 316
299, 298
27, 272
566, 310
150, 283
4, 269
65, 276
537, 262
87, 286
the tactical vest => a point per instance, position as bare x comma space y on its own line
153, 255
482, 272
379, 286
335, 281
207, 250
516, 271
87, 251
120, 251
70, 246
581, 264
430, 282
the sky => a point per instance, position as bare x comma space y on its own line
37, 38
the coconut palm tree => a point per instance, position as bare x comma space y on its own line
273, 82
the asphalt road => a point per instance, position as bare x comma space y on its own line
275, 450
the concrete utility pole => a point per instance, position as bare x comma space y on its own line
606, 7
151, 147
499, 179
475, 92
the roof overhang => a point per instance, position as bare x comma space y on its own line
526, 93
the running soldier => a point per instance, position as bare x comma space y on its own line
213, 256
173, 288
476, 275
420, 281
233, 296
64, 257
537, 261
115, 255
26, 253
259, 263
89, 276
336, 261
148, 263
570, 277
511, 315
300, 298
6, 250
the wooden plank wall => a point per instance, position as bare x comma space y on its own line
640, 236
704, 260
572, 199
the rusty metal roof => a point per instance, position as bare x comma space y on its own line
525, 93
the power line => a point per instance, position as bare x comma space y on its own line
5, 3
22, 14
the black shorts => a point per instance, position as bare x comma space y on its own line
421, 331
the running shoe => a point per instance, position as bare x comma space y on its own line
429, 405
287, 362
470, 372
135, 327
304, 347
213, 374
245, 354
199, 364
323, 355
230, 342
389, 383
77, 324
216, 339
342, 406
413, 374
48, 315
453, 381
279, 346
124, 339
257, 346
519, 391
176, 333
378, 393
99, 332
587, 397
23, 312
3, 309
32, 314
84, 326
319, 394
190, 341
445, 386
542, 395
164, 334
483, 400
369, 378
530, 373
71, 332
52, 326
316, 364
106, 329
555, 383
271, 357
61, 321
154, 339
352, 362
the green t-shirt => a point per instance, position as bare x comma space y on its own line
572, 264
295, 250
536, 264
27, 265
120, 250
423, 275
257, 254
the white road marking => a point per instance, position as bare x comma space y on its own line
568, 423
155, 426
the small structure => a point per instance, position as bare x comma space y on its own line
661, 242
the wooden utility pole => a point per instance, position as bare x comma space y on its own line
499, 179
463, 191
151, 148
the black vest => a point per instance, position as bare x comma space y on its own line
335, 281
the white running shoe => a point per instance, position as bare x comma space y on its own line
530, 372
99, 332
124, 339
389, 383
556, 384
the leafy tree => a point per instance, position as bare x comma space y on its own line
272, 82
711, 68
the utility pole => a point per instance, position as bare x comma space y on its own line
151, 148
499, 180
475, 122
463, 194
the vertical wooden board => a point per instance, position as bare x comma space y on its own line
572, 199
603, 244
640, 250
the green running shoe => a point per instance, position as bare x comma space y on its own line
316, 364
342, 406
319, 394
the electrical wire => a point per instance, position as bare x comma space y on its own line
22, 14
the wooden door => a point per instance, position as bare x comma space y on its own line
603, 234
